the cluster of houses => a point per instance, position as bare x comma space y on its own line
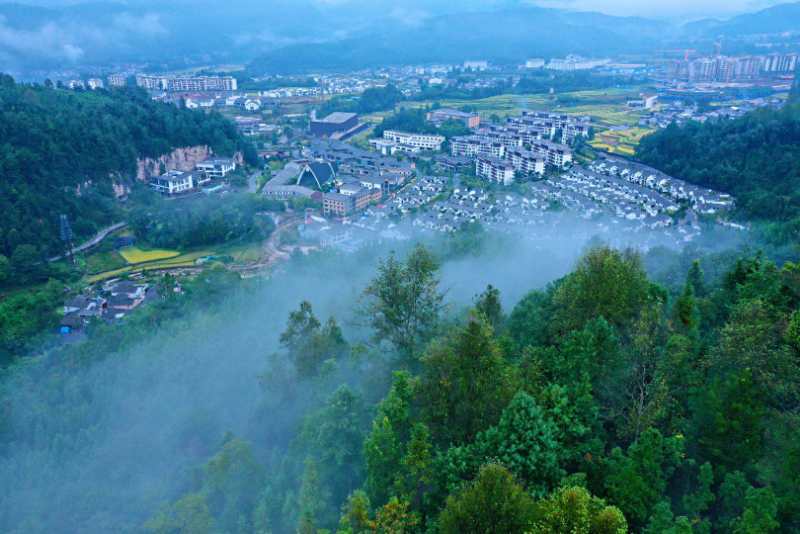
702, 200
113, 301
175, 182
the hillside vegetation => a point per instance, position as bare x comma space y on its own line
603, 403
60, 151
756, 158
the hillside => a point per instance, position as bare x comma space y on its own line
755, 157
62, 150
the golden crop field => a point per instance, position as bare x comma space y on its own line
619, 141
135, 255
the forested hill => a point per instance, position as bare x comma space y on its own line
755, 157
53, 141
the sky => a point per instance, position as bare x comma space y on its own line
663, 8
647, 8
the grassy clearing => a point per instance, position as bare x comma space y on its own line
104, 261
135, 255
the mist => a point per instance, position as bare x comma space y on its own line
102, 448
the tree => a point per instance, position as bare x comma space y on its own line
526, 442
355, 515
488, 303
402, 303
607, 283
493, 502
760, 511
5, 270
391, 429
309, 343
27, 264
574, 510
465, 384
635, 481
396, 517
189, 515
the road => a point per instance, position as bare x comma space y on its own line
102, 234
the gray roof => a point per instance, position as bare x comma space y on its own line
338, 117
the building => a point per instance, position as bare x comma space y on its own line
173, 182
384, 146
412, 140
117, 80
556, 154
476, 65
440, 116
94, 83
186, 84
527, 162
573, 63
216, 167
252, 104
315, 174
338, 204
494, 169
337, 122
534, 63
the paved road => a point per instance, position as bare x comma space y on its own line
102, 234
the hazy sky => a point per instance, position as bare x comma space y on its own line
663, 8
649, 8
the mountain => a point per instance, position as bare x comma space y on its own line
506, 35
776, 19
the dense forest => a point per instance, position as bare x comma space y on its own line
204, 221
755, 157
602, 403
60, 150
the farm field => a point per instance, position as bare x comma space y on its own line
623, 142
188, 259
135, 255
607, 105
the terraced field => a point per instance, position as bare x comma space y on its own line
181, 260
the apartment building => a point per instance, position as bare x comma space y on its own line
556, 154
527, 162
413, 140
186, 84
495, 169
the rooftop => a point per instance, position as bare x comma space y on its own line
338, 117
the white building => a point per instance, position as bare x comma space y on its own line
557, 155
412, 140
173, 182
251, 104
572, 63
117, 80
216, 167
186, 83
526, 162
534, 63
94, 83
495, 169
